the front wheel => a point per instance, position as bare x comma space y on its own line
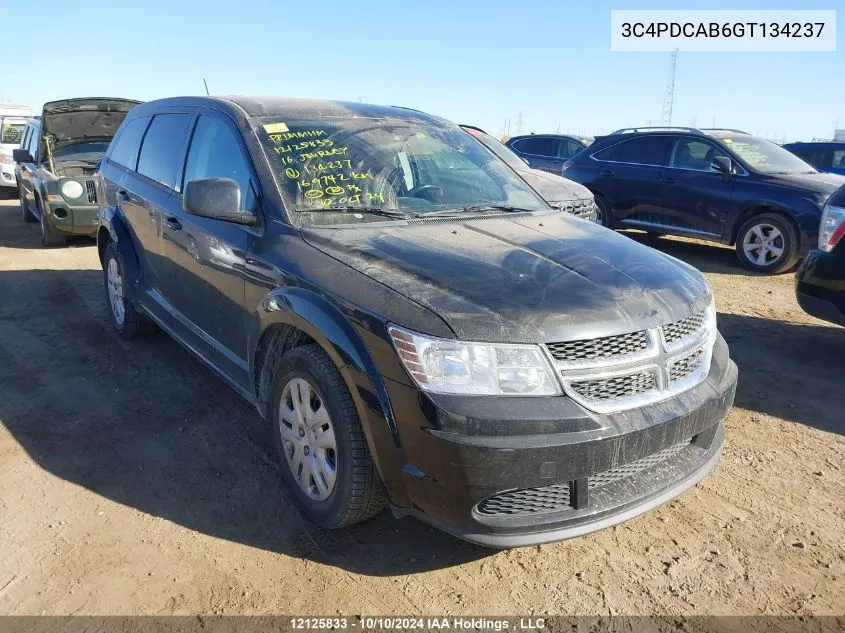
49, 236
767, 243
325, 460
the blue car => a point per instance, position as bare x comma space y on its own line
721, 185
823, 156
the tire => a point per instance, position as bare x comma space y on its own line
26, 214
129, 323
778, 241
604, 216
49, 236
356, 493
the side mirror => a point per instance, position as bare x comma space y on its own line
723, 165
22, 156
218, 198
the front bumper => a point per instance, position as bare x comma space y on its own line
73, 219
820, 285
509, 472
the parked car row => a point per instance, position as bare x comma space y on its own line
417, 324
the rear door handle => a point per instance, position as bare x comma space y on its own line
606, 172
173, 223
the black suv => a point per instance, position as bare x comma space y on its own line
721, 185
416, 324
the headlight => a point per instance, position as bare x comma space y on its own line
71, 189
6, 159
832, 227
449, 366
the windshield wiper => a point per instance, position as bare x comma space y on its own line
387, 213
474, 208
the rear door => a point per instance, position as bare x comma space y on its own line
145, 195
628, 177
695, 198
207, 257
541, 152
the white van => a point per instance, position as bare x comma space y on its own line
12, 121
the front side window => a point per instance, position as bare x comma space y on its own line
214, 153
693, 154
161, 149
765, 156
125, 150
540, 146
34, 138
838, 161
645, 150
568, 149
387, 165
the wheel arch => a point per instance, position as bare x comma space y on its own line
113, 230
759, 208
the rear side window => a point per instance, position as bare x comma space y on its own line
161, 151
645, 150
125, 150
540, 146
215, 153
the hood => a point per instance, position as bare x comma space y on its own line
821, 182
77, 119
543, 278
555, 188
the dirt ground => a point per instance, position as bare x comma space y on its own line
134, 482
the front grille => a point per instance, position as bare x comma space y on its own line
616, 387
683, 328
552, 498
683, 367
92, 191
580, 208
635, 468
606, 347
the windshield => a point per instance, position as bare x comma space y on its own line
403, 167
766, 157
11, 133
83, 152
499, 149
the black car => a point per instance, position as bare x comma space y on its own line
721, 185
559, 192
547, 151
820, 281
416, 324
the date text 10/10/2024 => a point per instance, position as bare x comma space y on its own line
367, 623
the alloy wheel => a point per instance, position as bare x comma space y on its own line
115, 288
308, 439
763, 244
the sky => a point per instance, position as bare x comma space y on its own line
543, 65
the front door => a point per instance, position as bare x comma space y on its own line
207, 257
695, 198
26, 171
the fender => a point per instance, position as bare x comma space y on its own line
327, 325
750, 208
113, 227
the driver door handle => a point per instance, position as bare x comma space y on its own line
173, 223
607, 172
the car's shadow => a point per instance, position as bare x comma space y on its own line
146, 425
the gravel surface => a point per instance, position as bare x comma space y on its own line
134, 482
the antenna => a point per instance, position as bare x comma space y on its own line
669, 96
206, 87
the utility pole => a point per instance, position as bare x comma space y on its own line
204, 83
519, 124
669, 96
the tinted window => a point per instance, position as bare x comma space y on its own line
25, 139
838, 160
125, 150
215, 153
161, 151
540, 146
690, 153
568, 149
645, 150
34, 137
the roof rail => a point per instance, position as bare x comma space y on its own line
723, 129
658, 128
